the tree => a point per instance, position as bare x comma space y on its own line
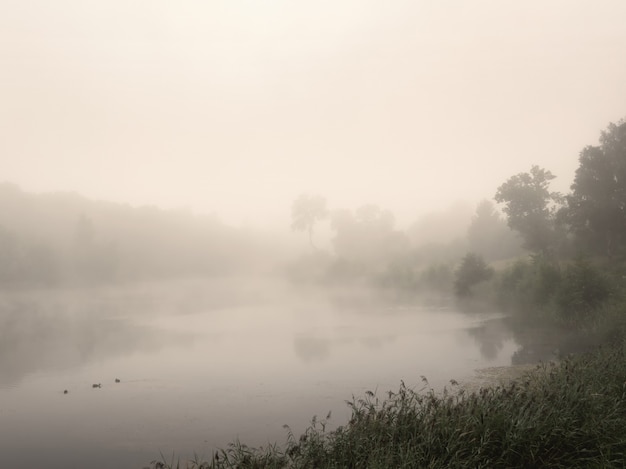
489, 235
596, 208
531, 208
305, 211
366, 235
473, 270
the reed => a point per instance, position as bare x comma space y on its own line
571, 414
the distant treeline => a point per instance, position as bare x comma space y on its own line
366, 246
64, 238
454, 248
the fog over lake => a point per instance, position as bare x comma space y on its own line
203, 362
218, 218
235, 108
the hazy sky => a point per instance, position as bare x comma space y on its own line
236, 107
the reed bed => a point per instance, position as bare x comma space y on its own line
566, 415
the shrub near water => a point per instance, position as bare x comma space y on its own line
566, 415
473, 270
528, 286
583, 290
573, 295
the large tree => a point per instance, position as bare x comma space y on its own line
531, 207
306, 211
596, 208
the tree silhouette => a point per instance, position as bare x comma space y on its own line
305, 211
366, 235
473, 270
597, 205
489, 235
531, 207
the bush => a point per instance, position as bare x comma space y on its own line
437, 277
473, 270
574, 295
582, 292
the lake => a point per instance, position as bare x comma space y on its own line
204, 362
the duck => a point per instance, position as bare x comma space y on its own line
99, 385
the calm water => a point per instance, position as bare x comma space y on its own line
202, 363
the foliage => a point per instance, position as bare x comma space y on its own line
438, 277
439, 253
367, 236
531, 208
404, 274
306, 211
26, 262
65, 239
565, 415
399, 274
583, 291
473, 270
573, 295
441, 226
529, 287
596, 208
489, 235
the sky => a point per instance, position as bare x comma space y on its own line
237, 107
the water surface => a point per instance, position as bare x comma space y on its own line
203, 362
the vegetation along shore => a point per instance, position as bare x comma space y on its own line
567, 413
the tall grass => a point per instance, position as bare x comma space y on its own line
571, 414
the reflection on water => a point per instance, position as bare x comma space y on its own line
201, 363
490, 336
46, 332
310, 348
